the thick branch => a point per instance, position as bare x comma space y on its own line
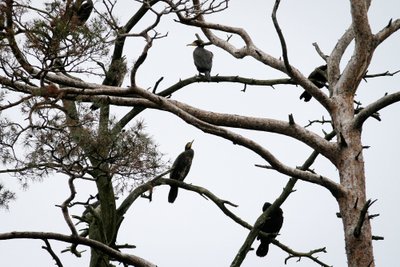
167, 105
386, 32
122, 257
363, 51
295, 131
336, 56
369, 110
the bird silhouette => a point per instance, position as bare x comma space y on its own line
202, 58
319, 78
180, 169
272, 225
83, 10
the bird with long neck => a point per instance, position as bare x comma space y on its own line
180, 169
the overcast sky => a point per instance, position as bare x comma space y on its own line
193, 231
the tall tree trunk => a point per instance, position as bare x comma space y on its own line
103, 228
352, 177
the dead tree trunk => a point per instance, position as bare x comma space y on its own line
353, 204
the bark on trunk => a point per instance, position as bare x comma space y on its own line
350, 164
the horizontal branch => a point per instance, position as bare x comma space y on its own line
230, 79
122, 257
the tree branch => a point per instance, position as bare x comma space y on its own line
336, 56
294, 130
386, 32
363, 51
65, 204
240, 256
282, 40
52, 253
361, 219
309, 255
121, 257
220, 203
250, 49
374, 107
167, 105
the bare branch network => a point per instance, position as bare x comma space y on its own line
51, 56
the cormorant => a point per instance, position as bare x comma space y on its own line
83, 10
180, 169
272, 225
319, 78
202, 58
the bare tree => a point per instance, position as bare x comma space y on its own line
44, 62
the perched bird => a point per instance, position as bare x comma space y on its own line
319, 78
272, 225
180, 169
83, 10
202, 58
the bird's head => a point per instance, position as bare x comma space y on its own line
196, 43
266, 206
189, 145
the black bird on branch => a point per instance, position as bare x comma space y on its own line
180, 169
319, 78
202, 58
83, 10
272, 225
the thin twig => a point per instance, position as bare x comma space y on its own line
52, 253
281, 39
309, 255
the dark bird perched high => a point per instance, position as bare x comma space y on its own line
83, 10
319, 78
272, 225
202, 58
180, 169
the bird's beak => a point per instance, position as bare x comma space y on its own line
191, 143
192, 44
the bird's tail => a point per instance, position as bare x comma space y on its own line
306, 95
262, 250
208, 76
173, 193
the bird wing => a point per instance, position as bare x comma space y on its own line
203, 59
181, 166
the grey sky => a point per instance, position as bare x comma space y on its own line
193, 231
